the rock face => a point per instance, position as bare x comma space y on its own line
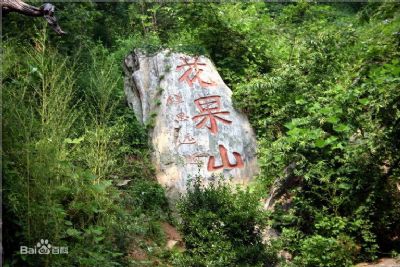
195, 130
384, 262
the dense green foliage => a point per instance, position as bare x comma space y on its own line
332, 107
66, 149
222, 227
319, 83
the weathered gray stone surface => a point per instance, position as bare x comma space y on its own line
196, 129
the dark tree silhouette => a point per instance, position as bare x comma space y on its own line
46, 11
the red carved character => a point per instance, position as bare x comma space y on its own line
209, 107
182, 117
225, 161
174, 99
195, 158
193, 73
188, 139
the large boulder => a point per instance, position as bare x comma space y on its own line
195, 129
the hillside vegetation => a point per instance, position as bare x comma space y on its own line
319, 83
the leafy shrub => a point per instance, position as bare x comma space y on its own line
222, 226
329, 104
65, 152
147, 197
322, 251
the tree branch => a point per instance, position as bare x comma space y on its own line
47, 11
